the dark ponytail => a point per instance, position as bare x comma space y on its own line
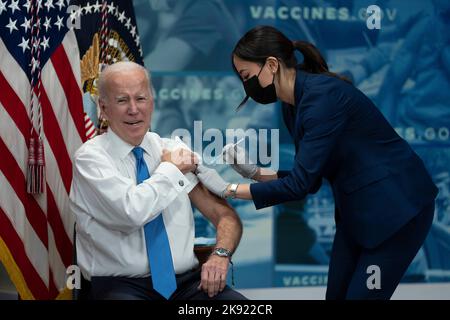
313, 61
262, 42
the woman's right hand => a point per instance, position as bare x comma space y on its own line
237, 158
212, 180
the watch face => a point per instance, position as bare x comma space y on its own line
222, 252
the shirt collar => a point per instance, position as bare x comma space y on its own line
146, 144
120, 148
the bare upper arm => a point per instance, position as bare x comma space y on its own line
211, 206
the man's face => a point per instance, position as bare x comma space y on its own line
128, 105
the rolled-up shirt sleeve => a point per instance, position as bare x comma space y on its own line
173, 144
116, 201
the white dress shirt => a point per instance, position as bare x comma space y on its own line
111, 210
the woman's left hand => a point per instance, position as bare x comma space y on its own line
212, 180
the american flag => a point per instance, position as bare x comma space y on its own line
36, 229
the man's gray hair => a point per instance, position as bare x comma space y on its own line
117, 67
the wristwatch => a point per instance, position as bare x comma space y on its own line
222, 252
233, 189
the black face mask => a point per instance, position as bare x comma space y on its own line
261, 95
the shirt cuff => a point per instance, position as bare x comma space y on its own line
193, 180
175, 176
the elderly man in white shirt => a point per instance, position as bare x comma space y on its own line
116, 195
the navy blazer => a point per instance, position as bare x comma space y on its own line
378, 181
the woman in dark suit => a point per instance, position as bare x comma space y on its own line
384, 197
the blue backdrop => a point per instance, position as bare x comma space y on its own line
404, 67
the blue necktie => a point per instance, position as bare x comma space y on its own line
156, 240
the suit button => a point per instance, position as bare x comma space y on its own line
181, 183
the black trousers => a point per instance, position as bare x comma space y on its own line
350, 264
123, 288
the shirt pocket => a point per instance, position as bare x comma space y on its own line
365, 178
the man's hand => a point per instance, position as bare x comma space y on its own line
214, 275
185, 160
212, 180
